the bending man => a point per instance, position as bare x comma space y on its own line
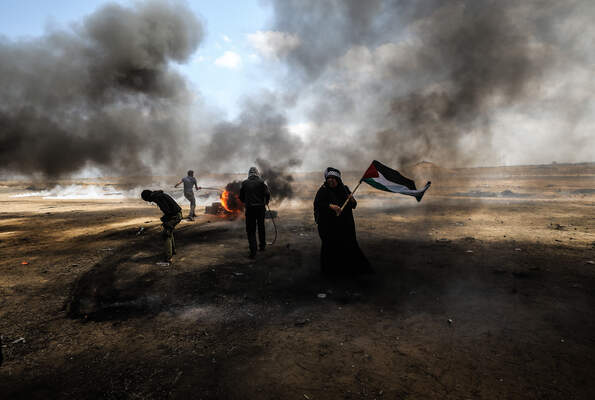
255, 195
172, 215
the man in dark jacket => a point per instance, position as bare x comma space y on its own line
172, 215
255, 195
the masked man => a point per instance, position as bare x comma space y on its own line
255, 195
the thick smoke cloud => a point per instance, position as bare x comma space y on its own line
404, 81
261, 130
101, 93
278, 177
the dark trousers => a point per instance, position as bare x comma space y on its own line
254, 217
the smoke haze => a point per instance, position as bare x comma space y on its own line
100, 93
405, 81
462, 82
278, 178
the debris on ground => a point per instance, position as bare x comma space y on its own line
322, 295
449, 321
162, 264
19, 340
24, 263
140, 231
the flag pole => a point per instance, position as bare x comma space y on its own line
360, 182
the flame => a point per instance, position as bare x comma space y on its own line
225, 197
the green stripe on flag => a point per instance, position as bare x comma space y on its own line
372, 182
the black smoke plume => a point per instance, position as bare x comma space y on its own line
260, 130
98, 94
404, 81
277, 177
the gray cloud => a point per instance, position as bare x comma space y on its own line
405, 81
100, 93
261, 130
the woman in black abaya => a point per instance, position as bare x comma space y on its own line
339, 251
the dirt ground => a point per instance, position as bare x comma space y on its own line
485, 289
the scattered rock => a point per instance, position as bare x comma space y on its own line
590, 262
322, 295
469, 251
449, 321
162, 264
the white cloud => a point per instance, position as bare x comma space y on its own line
230, 60
254, 58
273, 44
226, 38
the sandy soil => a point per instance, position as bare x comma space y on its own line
477, 294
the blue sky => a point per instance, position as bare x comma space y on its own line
227, 24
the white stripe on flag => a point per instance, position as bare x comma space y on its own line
395, 187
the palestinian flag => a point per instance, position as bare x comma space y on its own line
384, 178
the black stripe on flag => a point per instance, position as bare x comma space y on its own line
394, 176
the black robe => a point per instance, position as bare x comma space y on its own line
340, 251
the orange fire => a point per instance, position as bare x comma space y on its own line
225, 200
230, 201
